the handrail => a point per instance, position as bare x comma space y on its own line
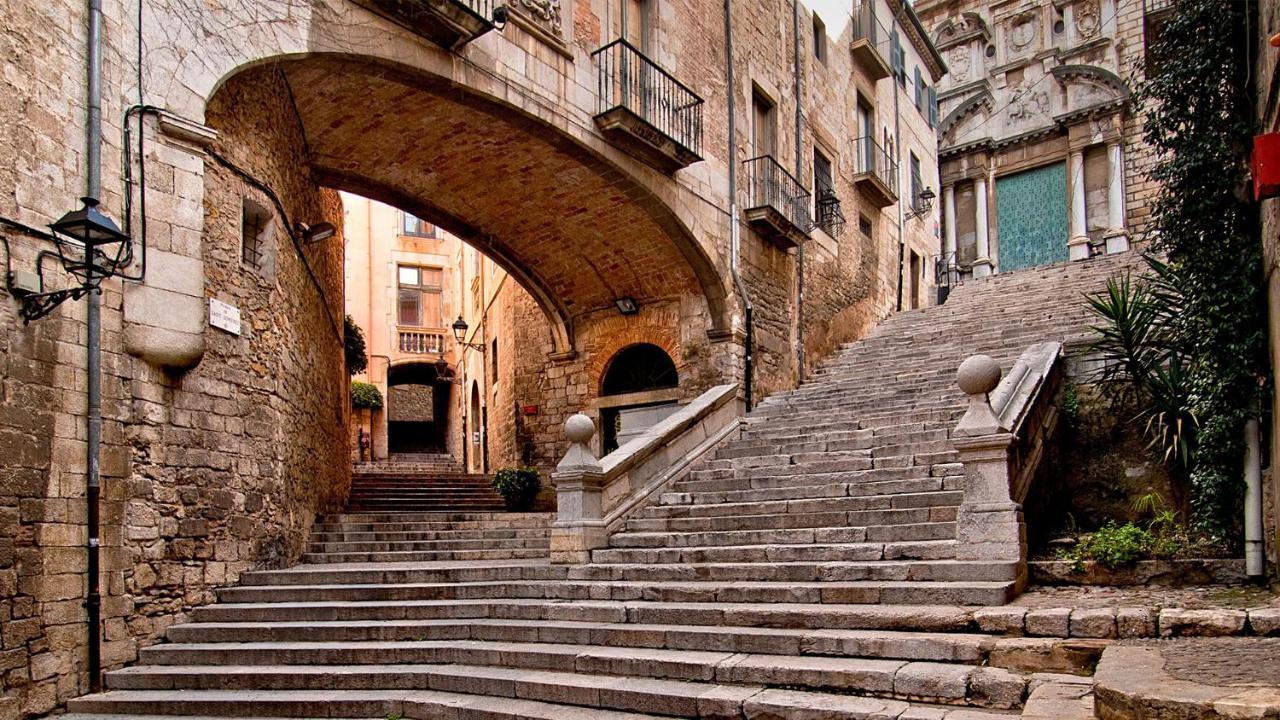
867, 27
629, 79
594, 497
1001, 439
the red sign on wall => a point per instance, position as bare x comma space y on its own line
1266, 166
530, 409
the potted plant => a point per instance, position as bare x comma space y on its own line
518, 487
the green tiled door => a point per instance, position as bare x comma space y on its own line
1031, 217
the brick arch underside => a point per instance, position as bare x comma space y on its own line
571, 227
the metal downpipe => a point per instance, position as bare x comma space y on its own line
93, 347
735, 238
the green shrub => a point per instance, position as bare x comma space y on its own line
353, 347
518, 486
365, 396
1116, 545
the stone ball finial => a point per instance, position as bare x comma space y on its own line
978, 375
579, 428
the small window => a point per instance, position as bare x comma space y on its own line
920, 92
255, 221
824, 188
864, 225
415, 227
819, 39
419, 298
493, 360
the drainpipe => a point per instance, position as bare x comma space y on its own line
1254, 557
897, 159
93, 347
735, 238
795, 54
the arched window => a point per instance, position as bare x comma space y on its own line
638, 368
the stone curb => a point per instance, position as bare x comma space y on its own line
1127, 622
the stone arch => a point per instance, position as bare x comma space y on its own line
664, 337
961, 28
638, 367
1089, 88
980, 104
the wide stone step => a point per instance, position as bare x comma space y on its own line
805, 505
884, 644
683, 495
916, 618
704, 480
792, 536
903, 570
377, 704
811, 552
426, 555
393, 573
660, 675
501, 519
532, 539
835, 518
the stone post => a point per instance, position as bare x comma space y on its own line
579, 480
989, 524
1117, 237
949, 219
1078, 245
982, 265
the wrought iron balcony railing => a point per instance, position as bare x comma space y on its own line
414, 341
632, 87
779, 204
871, 42
451, 23
875, 172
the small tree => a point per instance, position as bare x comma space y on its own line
354, 347
365, 396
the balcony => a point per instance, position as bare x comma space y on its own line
449, 23
645, 111
870, 44
779, 204
421, 341
875, 173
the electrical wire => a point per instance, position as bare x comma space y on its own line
297, 244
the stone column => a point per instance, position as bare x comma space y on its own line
579, 480
1117, 236
989, 524
982, 266
949, 217
1078, 245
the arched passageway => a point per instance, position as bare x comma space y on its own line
417, 409
575, 230
637, 390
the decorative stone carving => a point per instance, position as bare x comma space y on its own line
546, 12
958, 62
1022, 31
1027, 104
1088, 19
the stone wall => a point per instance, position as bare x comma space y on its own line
205, 473
1267, 72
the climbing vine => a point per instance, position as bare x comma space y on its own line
1199, 122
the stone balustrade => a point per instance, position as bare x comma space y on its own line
1001, 439
595, 496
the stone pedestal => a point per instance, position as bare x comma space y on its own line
1117, 241
982, 267
579, 479
1078, 248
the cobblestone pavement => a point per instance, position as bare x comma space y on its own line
1226, 662
1193, 598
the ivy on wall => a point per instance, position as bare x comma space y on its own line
1199, 121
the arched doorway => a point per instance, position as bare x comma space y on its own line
417, 409
637, 390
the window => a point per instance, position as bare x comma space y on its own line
916, 184
819, 39
898, 59
933, 107
637, 19
493, 360
255, 221
864, 225
824, 190
921, 95
419, 303
764, 136
412, 226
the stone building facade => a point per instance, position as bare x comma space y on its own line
1042, 155
221, 444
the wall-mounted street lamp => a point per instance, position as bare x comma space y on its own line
627, 305
460, 335
319, 232
923, 204
90, 247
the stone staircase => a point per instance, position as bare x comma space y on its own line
808, 570
421, 485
